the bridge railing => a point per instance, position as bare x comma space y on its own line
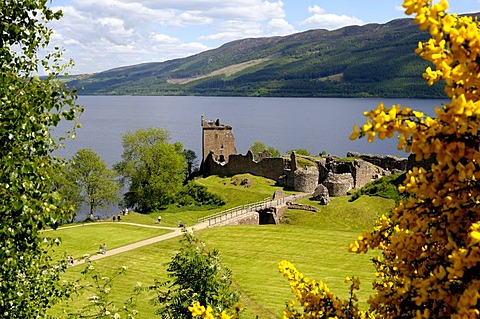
247, 208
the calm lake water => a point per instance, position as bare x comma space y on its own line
315, 124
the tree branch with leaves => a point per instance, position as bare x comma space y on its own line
30, 108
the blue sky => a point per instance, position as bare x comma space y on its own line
100, 35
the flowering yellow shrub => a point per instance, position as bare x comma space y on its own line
316, 299
198, 310
429, 266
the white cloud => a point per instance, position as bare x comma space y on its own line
194, 18
234, 30
316, 10
280, 27
164, 38
105, 34
174, 48
321, 19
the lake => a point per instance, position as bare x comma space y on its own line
315, 124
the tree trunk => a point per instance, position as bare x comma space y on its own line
92, 205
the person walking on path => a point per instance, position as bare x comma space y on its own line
102, 249
71, 261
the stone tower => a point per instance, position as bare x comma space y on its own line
217, 138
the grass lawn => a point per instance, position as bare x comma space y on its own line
315, 242
253, 253
143, 266
84, 239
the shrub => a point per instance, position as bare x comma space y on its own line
386, 187
197, 277
197, 195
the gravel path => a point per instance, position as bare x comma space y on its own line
175, 232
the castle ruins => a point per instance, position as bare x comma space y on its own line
218, 139
338, 176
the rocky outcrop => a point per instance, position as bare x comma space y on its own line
339, 184
321, 195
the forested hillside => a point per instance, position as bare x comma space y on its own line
375, 60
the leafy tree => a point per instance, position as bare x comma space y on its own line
258, 147
190, 159
197, 276
153, 169
429, 245
70, 196
96, 183
30, 107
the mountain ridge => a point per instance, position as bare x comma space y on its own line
373, 60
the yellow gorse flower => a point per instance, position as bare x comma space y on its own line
430, 243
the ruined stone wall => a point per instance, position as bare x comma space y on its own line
387, 162
288, 179
338, 184
322, 169
339, 176
306, 179
364, 172
272, 168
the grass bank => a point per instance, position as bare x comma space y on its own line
230, 189
80, 239
315, 242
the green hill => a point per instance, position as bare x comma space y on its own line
374, 60
315, 241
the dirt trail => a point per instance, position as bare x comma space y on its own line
176, 232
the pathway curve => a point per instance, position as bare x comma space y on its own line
176, 232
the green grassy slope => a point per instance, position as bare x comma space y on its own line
316, 242
86, 238
229, 189
374, 60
